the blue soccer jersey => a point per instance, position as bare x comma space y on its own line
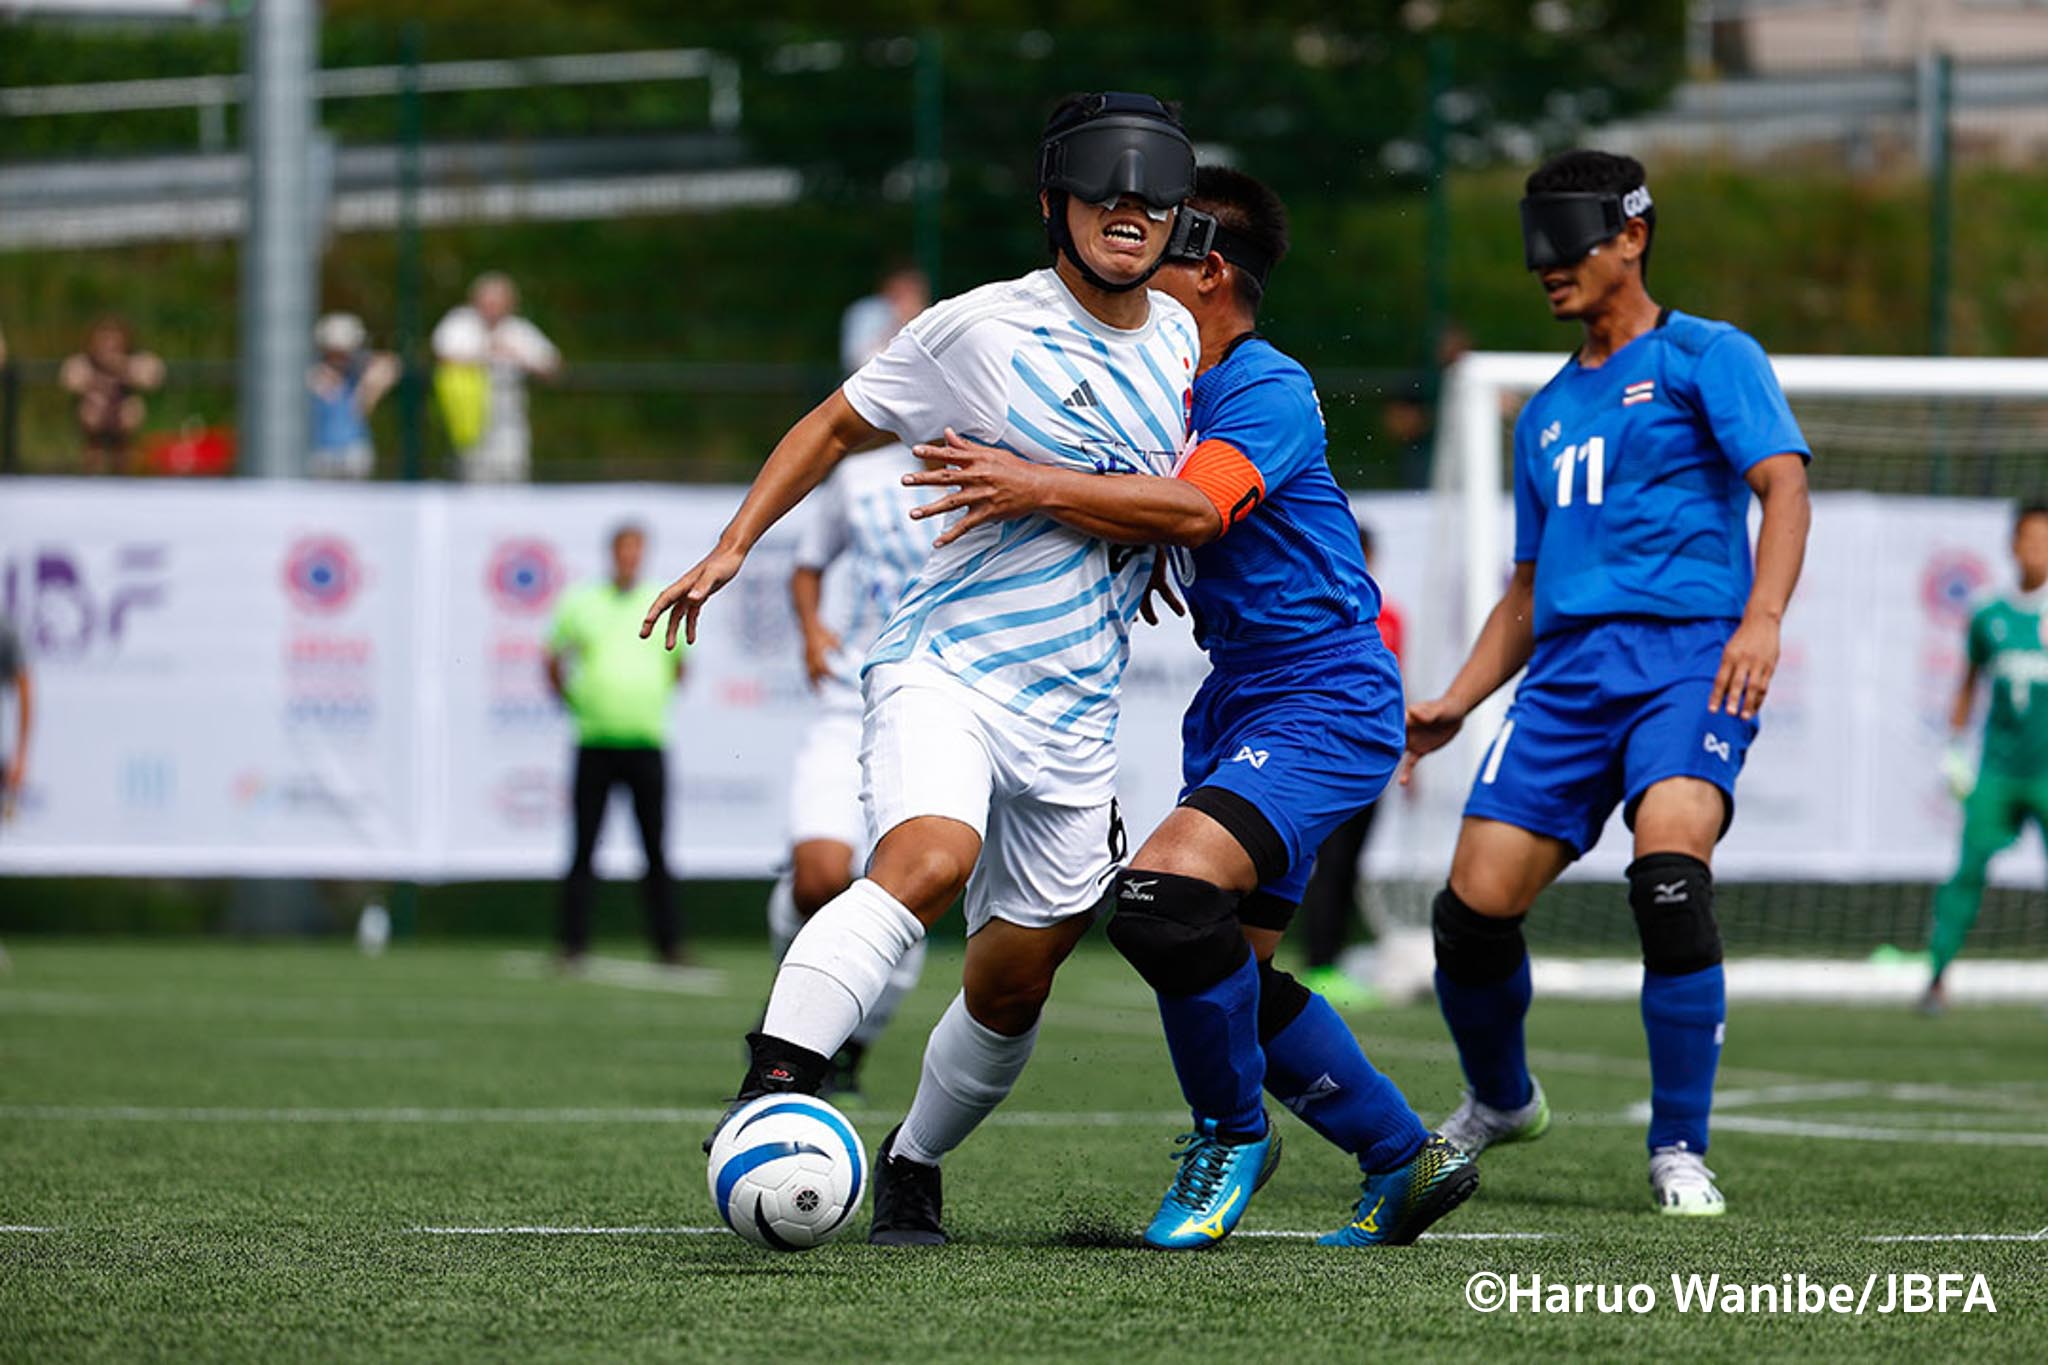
1288, 569
1629, 490
1301, 718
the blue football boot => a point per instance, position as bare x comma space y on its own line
1395, 1206
1217, 1179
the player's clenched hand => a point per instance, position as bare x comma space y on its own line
989, 484
1431, 725
685, 597
1747, 663
1160, 585
820, 644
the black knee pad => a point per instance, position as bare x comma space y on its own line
1474, 949
1281, 1001
1181, 933
1264, 910
1672, 895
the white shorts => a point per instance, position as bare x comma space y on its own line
824, 784
1043, 802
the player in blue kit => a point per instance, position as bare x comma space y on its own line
1297, 728
1650, 645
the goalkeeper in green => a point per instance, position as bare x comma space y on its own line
2008, 646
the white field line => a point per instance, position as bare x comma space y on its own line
24, 1227
1853, 1132
1427, 1236
1814, 1125
535, 1231
530, 1230
2041, 1236
630, 973
121, 1113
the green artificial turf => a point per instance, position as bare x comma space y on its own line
231, 1151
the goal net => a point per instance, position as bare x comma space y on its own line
1845, 824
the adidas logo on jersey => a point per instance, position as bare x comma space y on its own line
1256, 757
1083, 397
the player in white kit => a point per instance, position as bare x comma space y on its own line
988, 754
861, 526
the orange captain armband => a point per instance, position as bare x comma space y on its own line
1226, 477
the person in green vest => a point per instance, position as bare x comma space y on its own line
2008, 648
617, 686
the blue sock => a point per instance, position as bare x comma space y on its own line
1213, 1036
1683, 1016
1486, 1024
1314, 1066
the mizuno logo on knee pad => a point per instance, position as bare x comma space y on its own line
1133, 890
1670, 893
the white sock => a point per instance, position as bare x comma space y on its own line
901, 982
838, 966
968, 1071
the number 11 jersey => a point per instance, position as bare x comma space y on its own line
1629, 479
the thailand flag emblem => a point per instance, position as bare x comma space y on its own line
1639, 393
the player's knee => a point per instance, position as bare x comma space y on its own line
1181, 933
1008, 1003
1672, 895
925, 877
1474, 949
1281, 1001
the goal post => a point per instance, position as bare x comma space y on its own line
1845, 829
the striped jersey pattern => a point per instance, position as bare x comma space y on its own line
861, 529
1029, 612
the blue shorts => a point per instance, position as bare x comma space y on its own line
1309, 740
1606, 712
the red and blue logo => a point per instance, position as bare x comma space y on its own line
1951, 584
321, 573
524, 575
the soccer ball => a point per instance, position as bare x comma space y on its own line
787, 1171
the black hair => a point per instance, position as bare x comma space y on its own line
2033, 507
1365, 539
1583, 171
627, 528
1247, 208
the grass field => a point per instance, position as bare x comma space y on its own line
213, 1151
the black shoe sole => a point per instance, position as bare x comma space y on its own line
1440, 1202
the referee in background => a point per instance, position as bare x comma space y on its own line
617, 686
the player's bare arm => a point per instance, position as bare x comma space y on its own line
1751, 656
806, 592
799, 463
994, 485
1503, 647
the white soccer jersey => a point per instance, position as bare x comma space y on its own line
1031, 613
861, 522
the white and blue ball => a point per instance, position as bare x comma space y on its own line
787, 1172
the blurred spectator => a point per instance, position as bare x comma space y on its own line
618, 687
14, 675
869, 323
1331, 904
484, 352
109, 378
346, 382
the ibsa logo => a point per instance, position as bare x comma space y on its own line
1950, 584
524, 575
321, 573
